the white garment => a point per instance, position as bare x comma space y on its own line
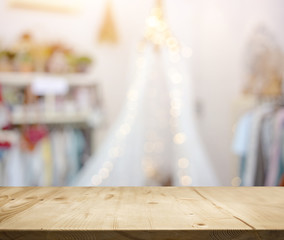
59, 157
242, 135
14, 165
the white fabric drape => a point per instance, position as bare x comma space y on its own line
155, 140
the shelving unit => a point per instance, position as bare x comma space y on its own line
25, 79
89, 118
49, 118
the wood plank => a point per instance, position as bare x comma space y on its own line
141, 213
263, 208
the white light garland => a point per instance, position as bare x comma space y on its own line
157, 33
125, 128
176, 95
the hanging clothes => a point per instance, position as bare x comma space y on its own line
258, 143
54, 159
12, 166
273, 168
60, 160
265, 143
251, 163
241, 141
46, 152
280, 179
74, 146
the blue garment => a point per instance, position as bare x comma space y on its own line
14, 174
74, 146
2, 151
241, 141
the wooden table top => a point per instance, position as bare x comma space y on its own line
141, 213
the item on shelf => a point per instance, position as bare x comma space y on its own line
57, 62
265, 65
4, 112
5, 145
26, 55
6, 61
82, 63
4, 116
24, 50
67, 104
108, 32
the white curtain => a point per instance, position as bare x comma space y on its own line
155, 140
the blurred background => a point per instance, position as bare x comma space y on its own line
68, 71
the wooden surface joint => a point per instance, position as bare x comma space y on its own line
225, 210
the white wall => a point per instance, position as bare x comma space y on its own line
220, 41
217, 30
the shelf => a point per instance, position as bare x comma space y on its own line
24, 79
156, 213
55, 118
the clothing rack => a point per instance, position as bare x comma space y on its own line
259, 131
77, 120
90, 117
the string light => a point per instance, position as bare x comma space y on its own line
149, 168
236, 181
158, 33
185, 180
157, 30
108, 165
183, 163
125, 127
96, 180
104, 173
176, 78
179, 138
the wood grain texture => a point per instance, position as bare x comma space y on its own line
142, 213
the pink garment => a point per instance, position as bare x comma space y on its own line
32, 135
273, 164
